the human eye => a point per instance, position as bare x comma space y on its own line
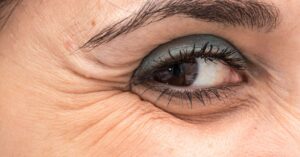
196, 74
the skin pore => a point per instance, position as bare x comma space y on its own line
66, 69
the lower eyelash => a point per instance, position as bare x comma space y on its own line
204, 96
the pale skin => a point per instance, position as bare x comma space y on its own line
60, 100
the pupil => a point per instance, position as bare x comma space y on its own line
180, 74
176, 69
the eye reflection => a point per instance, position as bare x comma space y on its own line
180, 74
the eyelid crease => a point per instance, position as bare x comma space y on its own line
249, 14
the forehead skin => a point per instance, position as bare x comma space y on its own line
54, 103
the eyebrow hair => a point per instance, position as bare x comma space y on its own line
251, 14
7, 8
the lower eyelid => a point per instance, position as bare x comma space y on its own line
214, 111
213, 116
184, 105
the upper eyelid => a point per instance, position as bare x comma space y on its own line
249, 14
202, 45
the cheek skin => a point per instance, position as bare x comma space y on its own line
126, 126
123, 125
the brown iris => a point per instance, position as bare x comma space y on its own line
178, 74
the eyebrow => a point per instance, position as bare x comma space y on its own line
250, 14
7, 8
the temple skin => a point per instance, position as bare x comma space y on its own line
58, 99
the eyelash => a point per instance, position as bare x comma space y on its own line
203, 95
207, 53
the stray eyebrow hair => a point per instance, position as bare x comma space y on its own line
246, 13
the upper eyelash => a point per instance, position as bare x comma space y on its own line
206, 52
